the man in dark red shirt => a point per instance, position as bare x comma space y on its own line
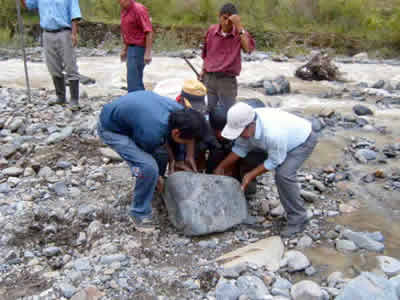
137, 34
222, 59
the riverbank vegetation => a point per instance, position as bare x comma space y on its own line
346, 26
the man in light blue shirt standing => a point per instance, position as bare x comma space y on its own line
288, 139
59, 22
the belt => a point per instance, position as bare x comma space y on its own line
57, 30
220, 74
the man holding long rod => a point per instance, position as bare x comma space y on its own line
59, 22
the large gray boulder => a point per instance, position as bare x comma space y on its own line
200, 204
368, 286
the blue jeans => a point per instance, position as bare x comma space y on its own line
135, 67
143, 166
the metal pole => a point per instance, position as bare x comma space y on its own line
191, 66
21, 34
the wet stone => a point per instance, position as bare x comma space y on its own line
368, 286
346, 246
362, 110
197, 203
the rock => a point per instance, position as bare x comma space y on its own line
8, 150
82, 264
111, 154
318, 185
67, 290
310, 271
109, 259
396, 282
389, 265
264, 253
89, 293
60, 188
362, 110
281, 287
62, 164
57, 137
306, 290
366, 154
13, 171
346, 246
200, 204
277, 211
360, 57
4, 188
252, 286
95, 230
368, 286
376, 236
379, 84
16, 124
227, 290
309, 196
295, 261
51, 251
305, 242
363, 241
269, 88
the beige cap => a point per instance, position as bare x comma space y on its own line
194, 87
239, 116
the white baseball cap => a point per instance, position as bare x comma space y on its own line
239, 116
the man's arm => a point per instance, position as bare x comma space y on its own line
244, 36
228, 162
74, 34
148, 45
251, 175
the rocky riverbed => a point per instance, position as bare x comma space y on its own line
65, 233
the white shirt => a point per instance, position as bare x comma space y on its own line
277, 133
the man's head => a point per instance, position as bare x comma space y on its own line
240, 122
186, 126
225, 12
124, 3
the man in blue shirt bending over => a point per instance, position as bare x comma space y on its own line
59, 22
288, 139
137, 126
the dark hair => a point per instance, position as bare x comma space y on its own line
190, 123
218, 117
228, 9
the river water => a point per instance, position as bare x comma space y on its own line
380, 208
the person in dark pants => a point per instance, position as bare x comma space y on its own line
221, 55
137, 34
59, 22
288, 139
136, 126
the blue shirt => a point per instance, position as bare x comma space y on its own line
56, 14
141, 115
277, 133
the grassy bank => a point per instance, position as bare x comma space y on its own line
346, 26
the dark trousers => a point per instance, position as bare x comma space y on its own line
220, 89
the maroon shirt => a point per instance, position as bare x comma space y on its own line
135, 23
222, 53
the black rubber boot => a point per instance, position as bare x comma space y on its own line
74, 91
59, 84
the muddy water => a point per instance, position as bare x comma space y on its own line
380, 209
